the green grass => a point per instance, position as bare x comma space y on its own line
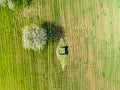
92, 35
61, 58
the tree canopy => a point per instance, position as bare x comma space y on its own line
8, 3
54, 31
34, 37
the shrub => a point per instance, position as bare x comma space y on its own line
34, 37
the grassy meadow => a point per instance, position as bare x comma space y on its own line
92, 32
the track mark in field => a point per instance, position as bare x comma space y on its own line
96, 83
76, 25
90, 76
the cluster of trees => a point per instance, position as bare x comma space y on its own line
35, 37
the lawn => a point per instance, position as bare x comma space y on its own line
62, 53
91, 32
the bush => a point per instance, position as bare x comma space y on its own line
34, 37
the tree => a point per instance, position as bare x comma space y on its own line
8, 3
54, 31
3, 2
34, 37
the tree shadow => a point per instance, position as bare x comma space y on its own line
54, 31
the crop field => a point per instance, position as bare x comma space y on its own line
92, 33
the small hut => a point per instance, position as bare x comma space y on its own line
63, 50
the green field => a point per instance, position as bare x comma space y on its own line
92, 33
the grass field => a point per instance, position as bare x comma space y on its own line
92, 33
